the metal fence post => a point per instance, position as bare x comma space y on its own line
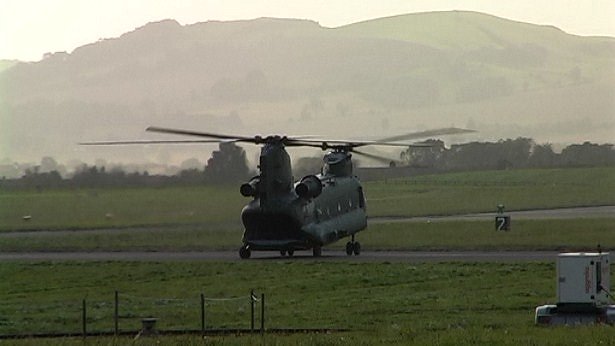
263, 313
84, 319
252, 310
202, 314
116, 314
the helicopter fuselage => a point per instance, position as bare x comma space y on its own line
292, 222
308, 214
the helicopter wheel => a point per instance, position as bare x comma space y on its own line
317, 251
291, 253
244, 252
282, 253
349, 248
357, 248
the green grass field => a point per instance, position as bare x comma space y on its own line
451, 235
445, 194
380, 303
130, 207
459, 193
207, 218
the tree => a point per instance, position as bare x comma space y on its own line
588, 154
543, 156
424, 156
228, 164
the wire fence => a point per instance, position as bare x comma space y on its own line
121, 313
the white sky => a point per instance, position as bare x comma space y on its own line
30, 28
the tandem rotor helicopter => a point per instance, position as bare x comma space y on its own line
286, 215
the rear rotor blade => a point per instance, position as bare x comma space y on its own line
428, 133
356, 144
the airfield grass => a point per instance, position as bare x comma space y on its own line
207, 218
378, 303
118, 207
562, 235
444, 194
469, 192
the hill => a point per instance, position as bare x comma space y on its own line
267, 75
5, 64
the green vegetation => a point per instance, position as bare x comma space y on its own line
469, 192
400, 303
215, 208
441, 235
199, 218
129, 207
379, 303
457, 29
562, 235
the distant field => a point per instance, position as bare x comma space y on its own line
130, 207
469, 192
424, 304
215, 207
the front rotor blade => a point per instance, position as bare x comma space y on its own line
153, 142
201, 134
425, 134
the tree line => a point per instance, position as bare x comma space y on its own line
228, 164
507, 154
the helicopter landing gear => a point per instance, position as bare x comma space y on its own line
349, 248
353, 247
244, 252
289, 252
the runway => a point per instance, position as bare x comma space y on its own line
331, 255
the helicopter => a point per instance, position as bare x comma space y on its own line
286, 215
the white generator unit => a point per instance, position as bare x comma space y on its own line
583, 283
583, 279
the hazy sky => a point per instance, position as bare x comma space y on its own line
30, 28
